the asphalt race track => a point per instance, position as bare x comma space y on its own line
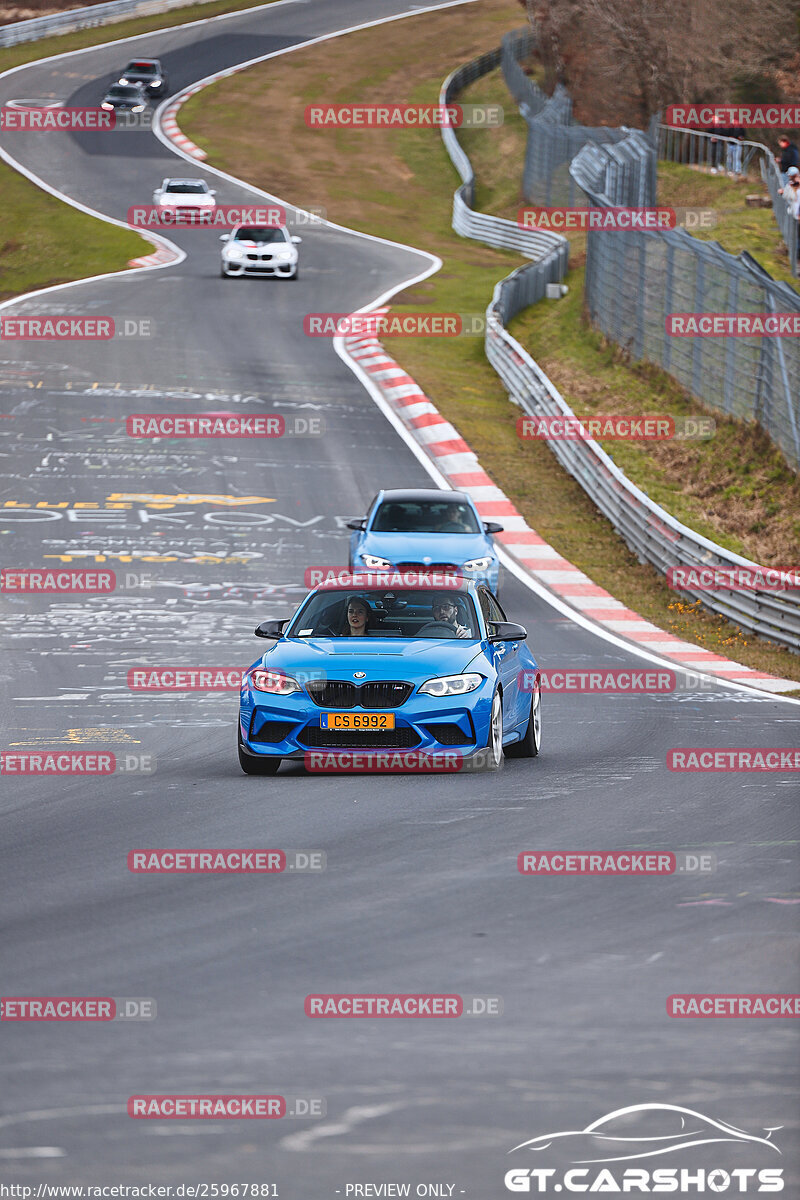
421, 891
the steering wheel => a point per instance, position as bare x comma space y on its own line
442, 629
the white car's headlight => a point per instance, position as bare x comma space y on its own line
283, 253
478, 564
452, 685
233, 252
376, 564
274, 682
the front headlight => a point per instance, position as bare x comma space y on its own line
234, 252
138, 108
155, 83
376, 564
478, 564
123, 82
106, 105
452, 685
274, 682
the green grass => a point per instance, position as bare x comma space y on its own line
44, 241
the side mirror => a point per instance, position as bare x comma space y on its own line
211, 192
507, 631
296, 239
271, 629
224, 237
357, 525
492, 527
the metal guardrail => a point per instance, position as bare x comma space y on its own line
85, 18
696, 148
652, 533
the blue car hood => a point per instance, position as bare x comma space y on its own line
411, 659
456, 548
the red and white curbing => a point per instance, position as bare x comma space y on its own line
170, 126
162, 254
460, 466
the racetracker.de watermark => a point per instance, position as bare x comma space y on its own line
221, 425
76, 762
733, 579
403, 116
763, 115
334, 576
615, 862
742, 325
217, 216
29, 580
224, 861
333, 762
59, 328
615, 427
416, 1005
740, 758
586, 220
77, 1008
769, 1004
55, 118
394, 324
617, 681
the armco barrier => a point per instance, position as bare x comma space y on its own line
651, 532
85, 18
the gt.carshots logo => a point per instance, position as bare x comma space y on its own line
653, 1132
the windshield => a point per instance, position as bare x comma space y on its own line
425, 516
141, 68
125, 93
258, 235
376, 612
188, 188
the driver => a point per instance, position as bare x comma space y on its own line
454, 520
446, 612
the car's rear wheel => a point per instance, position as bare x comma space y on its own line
531, 741
256, 766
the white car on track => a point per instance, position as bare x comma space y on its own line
187, 198
260, 250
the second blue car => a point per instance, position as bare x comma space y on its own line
421, 530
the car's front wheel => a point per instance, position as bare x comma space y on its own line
494, 743
256, 766
531, 741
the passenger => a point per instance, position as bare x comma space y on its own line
445, 612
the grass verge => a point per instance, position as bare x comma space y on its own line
398, 184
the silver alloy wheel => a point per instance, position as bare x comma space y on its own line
537, 719
496, 733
